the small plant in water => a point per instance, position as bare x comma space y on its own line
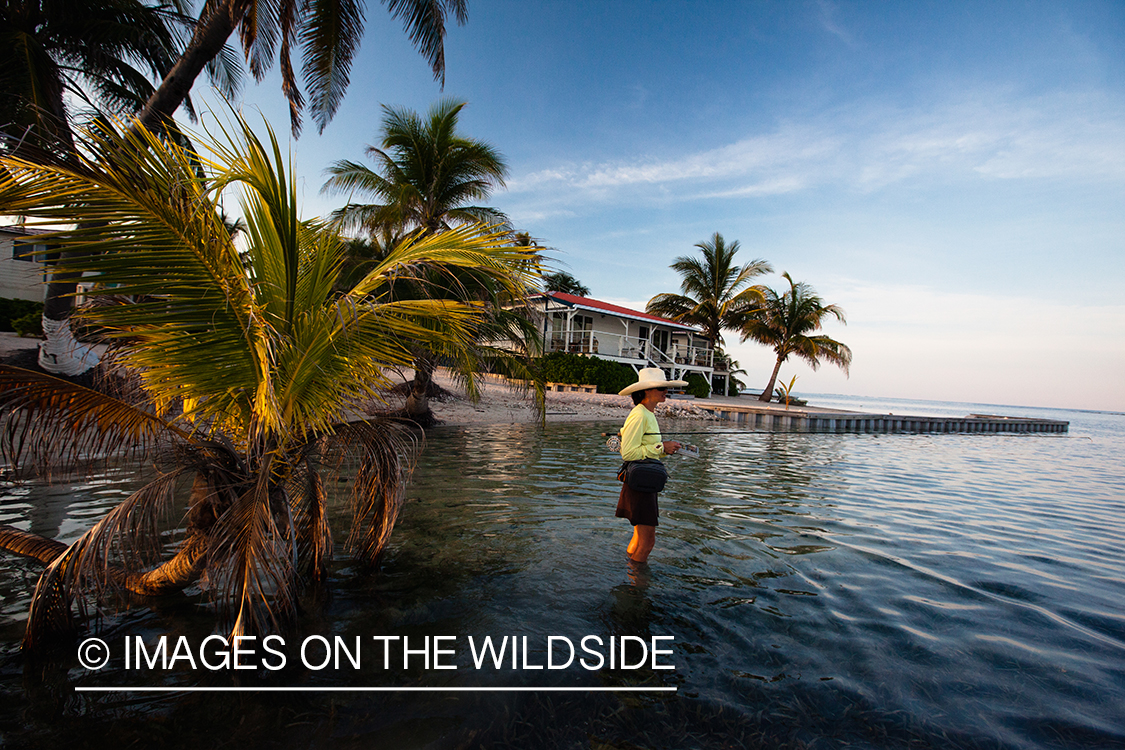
785, 389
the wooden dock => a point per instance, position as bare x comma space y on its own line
811, 419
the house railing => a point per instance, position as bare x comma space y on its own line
699, 356
627, 347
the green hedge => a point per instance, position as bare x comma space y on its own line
575, 369
609, 377
14, 309
29, 325
697, 385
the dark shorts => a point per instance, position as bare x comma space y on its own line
639, 507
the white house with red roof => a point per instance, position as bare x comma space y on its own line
581, 325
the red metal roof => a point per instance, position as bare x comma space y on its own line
593, 304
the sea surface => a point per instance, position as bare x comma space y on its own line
806, 590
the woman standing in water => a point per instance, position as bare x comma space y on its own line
640, 439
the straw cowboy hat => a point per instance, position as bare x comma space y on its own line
651, 377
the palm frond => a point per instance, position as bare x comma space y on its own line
47, 423
386, 451
122, 541
425, 25
330, 35
252, 556
310, 520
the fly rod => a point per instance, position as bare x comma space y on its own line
703, 432
687, 450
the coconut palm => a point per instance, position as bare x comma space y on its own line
427, 176
425, 180
784, 322
715, 290
327, 32
247, 371
561, 281
103, 53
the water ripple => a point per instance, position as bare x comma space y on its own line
823, 589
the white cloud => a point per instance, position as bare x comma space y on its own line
827, 16
868, 148
774, 154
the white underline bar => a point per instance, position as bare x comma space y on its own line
145, 689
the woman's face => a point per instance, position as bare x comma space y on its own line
654, 396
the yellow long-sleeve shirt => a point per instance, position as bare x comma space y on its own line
640, 437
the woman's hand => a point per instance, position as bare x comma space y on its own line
671, 446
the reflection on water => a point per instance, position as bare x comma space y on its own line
822, 590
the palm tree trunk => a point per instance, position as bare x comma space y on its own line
176, 574
60, 289
767, 394
417, 405
30, 545
211, 34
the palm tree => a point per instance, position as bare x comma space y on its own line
715, 291
784, 322
104, 53
506, 338
247, 371
561, 281
327, 32
426, 177
92, 52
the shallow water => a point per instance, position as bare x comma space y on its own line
821, 589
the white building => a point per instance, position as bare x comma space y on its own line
581, 325
21, 272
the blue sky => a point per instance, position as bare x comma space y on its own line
952, 174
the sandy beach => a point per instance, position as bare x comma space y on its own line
500, 403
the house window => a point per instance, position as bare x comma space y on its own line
580, 337
25, 251
558, 326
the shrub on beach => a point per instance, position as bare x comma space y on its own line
14, 309
697, 385
29, 325
575, 369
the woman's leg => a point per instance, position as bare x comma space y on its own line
644, 539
